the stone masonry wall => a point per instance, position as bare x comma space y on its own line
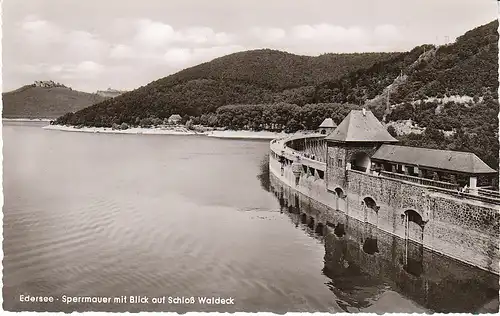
456, 227
439, 287
335, 174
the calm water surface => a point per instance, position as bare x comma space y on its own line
111, 215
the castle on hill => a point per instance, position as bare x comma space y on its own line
48, 84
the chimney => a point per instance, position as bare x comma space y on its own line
364, 112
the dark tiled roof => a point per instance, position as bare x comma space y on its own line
359, 127
459, 161
328, 123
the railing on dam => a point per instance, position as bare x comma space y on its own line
488, 193
483, 195
422, 181
312, 146
281, 148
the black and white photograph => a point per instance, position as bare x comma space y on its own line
271, 156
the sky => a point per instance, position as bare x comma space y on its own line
98, 44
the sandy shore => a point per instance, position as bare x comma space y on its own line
180, 130
134, 130
24, 120
170, 131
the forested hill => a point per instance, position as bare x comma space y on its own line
445, 88
32, 101
452, 88
276, 70
467, 67
251, 77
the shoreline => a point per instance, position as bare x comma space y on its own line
179, 130
133, 130
26, 119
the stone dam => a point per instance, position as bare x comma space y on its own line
428, 202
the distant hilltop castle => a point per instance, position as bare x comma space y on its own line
48, 84
110, 93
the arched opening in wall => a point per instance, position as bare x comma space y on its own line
323, 131
339, 196
281, 199
370, 244
321, 174
371, 212
303, 218
414, 217
320, 229
330, 225
414, 248
312, 171
339, 230
340, 193
297, 202
369, 202
311, 222
361, 162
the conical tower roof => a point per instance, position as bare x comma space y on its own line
360, 126
328, 123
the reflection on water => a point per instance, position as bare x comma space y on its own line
111, 215
366, 273
263, 175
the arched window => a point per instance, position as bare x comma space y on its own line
370, 203
339, 192
414, 217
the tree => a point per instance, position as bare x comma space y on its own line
392, 131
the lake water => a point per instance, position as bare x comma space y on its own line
112, 215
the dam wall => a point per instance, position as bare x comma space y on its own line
437, 282
458, 226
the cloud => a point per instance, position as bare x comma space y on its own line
85, 45
329, 33
121, 51
158, 34
178, 57
268, 35
86, 69
183, 57
386, 32
50, 41
154, 48
157, 42
39, 31
202, 35
206, 54
153, 33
